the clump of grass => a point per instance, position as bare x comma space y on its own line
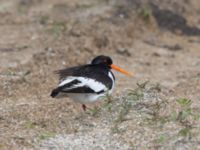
56, 28
23, 9
46, 135
106, 105
44, 19
185, 110
156, 111
115, 129
93, 111
185, 132
128, 101
30, 125
161, 139
1, 146
150, 103
84, 6
144, 100
24, 6
187, 117
145, 14
184, 115
123, 112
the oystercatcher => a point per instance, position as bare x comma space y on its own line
87, 83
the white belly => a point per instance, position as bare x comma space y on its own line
85, 97
82, 97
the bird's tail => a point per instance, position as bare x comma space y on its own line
55, 92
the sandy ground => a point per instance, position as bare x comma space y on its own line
158, 42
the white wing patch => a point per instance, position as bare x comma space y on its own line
66, 81
91, 83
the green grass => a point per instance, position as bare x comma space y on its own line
46, 135
161, 139
57, 28
30, 125
156, 112
145, 14
185, 132
128, 102
93, 111
44, 19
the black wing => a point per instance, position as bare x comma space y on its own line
96, 72
79, 85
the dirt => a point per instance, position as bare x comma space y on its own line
158, 43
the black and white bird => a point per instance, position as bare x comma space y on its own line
87, 83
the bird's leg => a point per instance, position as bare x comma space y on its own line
84, 107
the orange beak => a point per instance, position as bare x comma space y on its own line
120, 70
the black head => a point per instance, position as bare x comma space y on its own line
107, 61
102, 60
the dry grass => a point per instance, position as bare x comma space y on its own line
142, 113
40, 37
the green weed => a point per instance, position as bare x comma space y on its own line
145, 14
44, 19
128, 101
185, 132
107, 105
57, 28
46, 135
185, 112
93, 111
30, 125
161, 139
184, 102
